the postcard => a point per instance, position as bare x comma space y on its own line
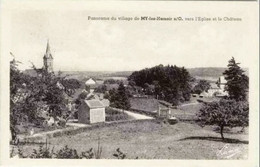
129, 83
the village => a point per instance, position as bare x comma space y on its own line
95, 105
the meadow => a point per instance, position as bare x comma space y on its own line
156, 140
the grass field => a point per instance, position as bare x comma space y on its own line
187, 112
155, 140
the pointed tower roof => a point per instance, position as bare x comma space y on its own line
48, 55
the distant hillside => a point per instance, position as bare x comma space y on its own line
103, 75
208, 73
122, 73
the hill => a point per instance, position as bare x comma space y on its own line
208, 73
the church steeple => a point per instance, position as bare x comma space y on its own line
48, 59
48, 51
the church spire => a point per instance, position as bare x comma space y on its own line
48, 59
48, 51
48, 47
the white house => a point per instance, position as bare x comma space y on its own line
90, 81
216, 89
91, 84
91, 111
213, 89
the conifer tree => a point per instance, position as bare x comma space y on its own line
237, 81
123, 97
119, 98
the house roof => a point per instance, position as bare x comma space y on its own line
90, 81
203, 94
94, 103
214, 86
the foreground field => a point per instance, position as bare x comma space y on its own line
154, 140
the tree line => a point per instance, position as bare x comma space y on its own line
169, 83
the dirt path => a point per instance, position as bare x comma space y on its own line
188, 104
134, 115
137, 116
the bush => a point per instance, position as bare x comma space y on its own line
64, 153
119, 154
113, 115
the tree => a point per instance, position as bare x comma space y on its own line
169, 83
237, 81
69, 85
123, 97
29, 94
17, 97
202, 86
101, 88
224, 113
119, 98
111, 81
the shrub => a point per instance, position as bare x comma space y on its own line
43, 152
113, 115
46, 152
119, 154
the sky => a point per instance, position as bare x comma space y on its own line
79, 44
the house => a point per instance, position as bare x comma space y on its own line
216, 89
204, 94
90, 81
91, 84
213, 89
91, 111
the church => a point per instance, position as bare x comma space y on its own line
47, 63
48, 59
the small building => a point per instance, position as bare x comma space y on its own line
91, 84
90, 81
163, 111
91, 111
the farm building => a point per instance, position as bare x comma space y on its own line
91, 111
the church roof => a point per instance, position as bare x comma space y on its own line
48, 55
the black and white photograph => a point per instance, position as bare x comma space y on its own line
124, 84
